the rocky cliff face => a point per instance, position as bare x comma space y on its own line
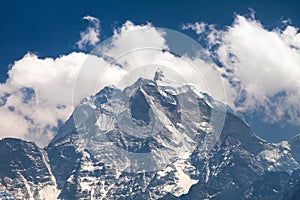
152, 140
24, 171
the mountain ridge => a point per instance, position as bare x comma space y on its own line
235, 167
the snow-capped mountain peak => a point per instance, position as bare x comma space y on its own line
154, 139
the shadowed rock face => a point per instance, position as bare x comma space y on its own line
139, 107
239, 166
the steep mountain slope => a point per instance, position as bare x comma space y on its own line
24, 171
238, 159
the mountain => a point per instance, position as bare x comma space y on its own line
155, 139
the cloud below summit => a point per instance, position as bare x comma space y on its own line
260, 68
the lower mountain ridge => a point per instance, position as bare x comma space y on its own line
151, 140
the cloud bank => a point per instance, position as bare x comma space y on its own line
261, 65
36, 96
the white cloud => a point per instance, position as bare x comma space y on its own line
198, 27
142, 46
130, 37
38, 93
91, 36
263, 66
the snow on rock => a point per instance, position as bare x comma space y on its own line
278, 158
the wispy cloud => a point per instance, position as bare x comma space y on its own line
91, 36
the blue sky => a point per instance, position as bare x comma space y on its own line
51, 29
